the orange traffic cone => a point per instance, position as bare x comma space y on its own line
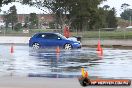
99, 46
100, 53
58, 50
12, 49
99, 50
86, 74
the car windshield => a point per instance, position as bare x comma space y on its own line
61, 36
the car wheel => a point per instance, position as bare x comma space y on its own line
36, 45
68, 47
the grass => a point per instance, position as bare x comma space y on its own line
106, 34
9, 32
87, 34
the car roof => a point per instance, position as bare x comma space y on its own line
47, 33
44, 33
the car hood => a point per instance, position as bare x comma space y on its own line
72, 39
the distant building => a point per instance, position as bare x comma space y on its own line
44, 19
2, 24
47, 17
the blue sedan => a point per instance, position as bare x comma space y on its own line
42, 40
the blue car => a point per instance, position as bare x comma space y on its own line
42, 40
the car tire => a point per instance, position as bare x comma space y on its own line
36, 45
67, 46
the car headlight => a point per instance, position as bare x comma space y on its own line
76, 43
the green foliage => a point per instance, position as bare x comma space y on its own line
106, 7
26, 1
22, 1
26, 20
52, 25
78, 14
11, 16
124, 6
33, 19
85, 14
5, 2
18, 26
0, 3
6, 19
126, 11
72, 12
111, 19
126, 14
102, 13
26, 24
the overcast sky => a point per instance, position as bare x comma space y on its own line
117, 4
24, 9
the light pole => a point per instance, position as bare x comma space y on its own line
130, 20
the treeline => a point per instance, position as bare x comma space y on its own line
80, 14
11, 20
77, 14
127, 12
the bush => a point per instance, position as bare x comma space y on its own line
18, 26
108, 29
52, 25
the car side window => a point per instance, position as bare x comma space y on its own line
41, 36
51, 36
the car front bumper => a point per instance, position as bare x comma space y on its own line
77, 46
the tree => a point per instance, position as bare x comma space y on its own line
124, 6
126, 14
100, 20
70, 11
5, 2
0, 2
6, 19
126, 11
106, 7
18, 26
26, 24
13, 16
33, 19
84, 14
26, 1
9, 1
111, 19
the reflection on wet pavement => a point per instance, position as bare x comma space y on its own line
114, 63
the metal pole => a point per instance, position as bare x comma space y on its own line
124, 34
4, 31
99, 33
130, 20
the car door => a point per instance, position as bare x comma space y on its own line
52, 40
40, 39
